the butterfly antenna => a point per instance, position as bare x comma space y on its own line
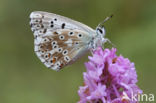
106, 19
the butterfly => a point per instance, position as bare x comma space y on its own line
60, 41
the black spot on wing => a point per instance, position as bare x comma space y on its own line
51, 25
63, 26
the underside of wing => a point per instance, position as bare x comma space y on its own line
61, 47
41, 22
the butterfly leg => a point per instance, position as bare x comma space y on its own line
107, 40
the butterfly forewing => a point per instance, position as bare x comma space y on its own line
43, 21
59, 41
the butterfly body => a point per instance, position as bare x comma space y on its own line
60, 41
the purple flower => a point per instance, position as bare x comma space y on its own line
109, 79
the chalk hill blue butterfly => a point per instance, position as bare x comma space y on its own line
60, 41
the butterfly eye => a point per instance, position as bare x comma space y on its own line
100, 30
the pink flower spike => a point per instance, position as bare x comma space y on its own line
109, 79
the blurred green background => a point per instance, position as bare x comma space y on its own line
24, 79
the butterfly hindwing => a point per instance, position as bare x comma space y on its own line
61, 47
